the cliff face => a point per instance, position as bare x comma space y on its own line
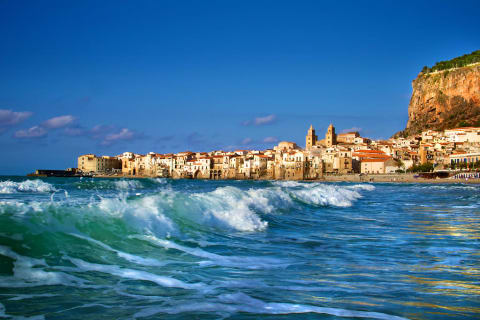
445, 99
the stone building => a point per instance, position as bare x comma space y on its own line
330, 136
311, 138
348, 137
92, 164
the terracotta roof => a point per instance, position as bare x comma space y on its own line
376, 160
369, 151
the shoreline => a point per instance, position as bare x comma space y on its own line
372, 178
396, 178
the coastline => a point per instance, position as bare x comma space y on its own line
396, 178
390, 178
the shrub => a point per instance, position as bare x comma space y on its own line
426, 167
457, 62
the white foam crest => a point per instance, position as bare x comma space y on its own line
365, 186
132, 274
27, 273
327, 195
127, 184
159, 180
124, 255
322, 194
231, 206
240, 302
290, 184
216, 259
27, 186
144, 213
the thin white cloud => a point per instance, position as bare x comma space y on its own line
270, 140
260, 121
58, 122
42, 130
105, 135
9, 118
33, 132
246, 141
352, 129
123, 135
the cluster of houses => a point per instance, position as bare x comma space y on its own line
345, 153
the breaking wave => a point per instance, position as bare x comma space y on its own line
27, 186
228, 207
320, 194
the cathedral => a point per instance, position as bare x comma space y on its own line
312, 140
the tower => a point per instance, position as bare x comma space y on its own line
330, 136
311, 138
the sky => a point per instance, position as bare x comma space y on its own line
106, 77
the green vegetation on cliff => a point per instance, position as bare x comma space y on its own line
458, 62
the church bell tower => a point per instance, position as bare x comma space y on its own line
311, 138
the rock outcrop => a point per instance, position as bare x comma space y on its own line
444, 99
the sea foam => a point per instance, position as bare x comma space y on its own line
321, 194
29, 272
28, 186
133, 274
226, 207
216, 259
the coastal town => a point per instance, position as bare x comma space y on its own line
336, 154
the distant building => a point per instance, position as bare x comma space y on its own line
311, 139
370, 166
330, 136
348, 137
467, 158
93, 164
286, 146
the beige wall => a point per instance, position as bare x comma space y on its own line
92, 163
372, 167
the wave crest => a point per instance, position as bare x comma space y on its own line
321, 194
27, 186
167, 210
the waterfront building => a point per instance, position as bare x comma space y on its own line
379, 166
92, 164
463, 157
336, 154
467, 134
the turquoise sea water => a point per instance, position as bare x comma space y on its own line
75, 248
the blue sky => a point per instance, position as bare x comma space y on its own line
167, 76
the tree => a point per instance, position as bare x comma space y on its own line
426, 167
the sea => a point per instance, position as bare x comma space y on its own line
85, 248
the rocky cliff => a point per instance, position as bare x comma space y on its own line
444, 99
